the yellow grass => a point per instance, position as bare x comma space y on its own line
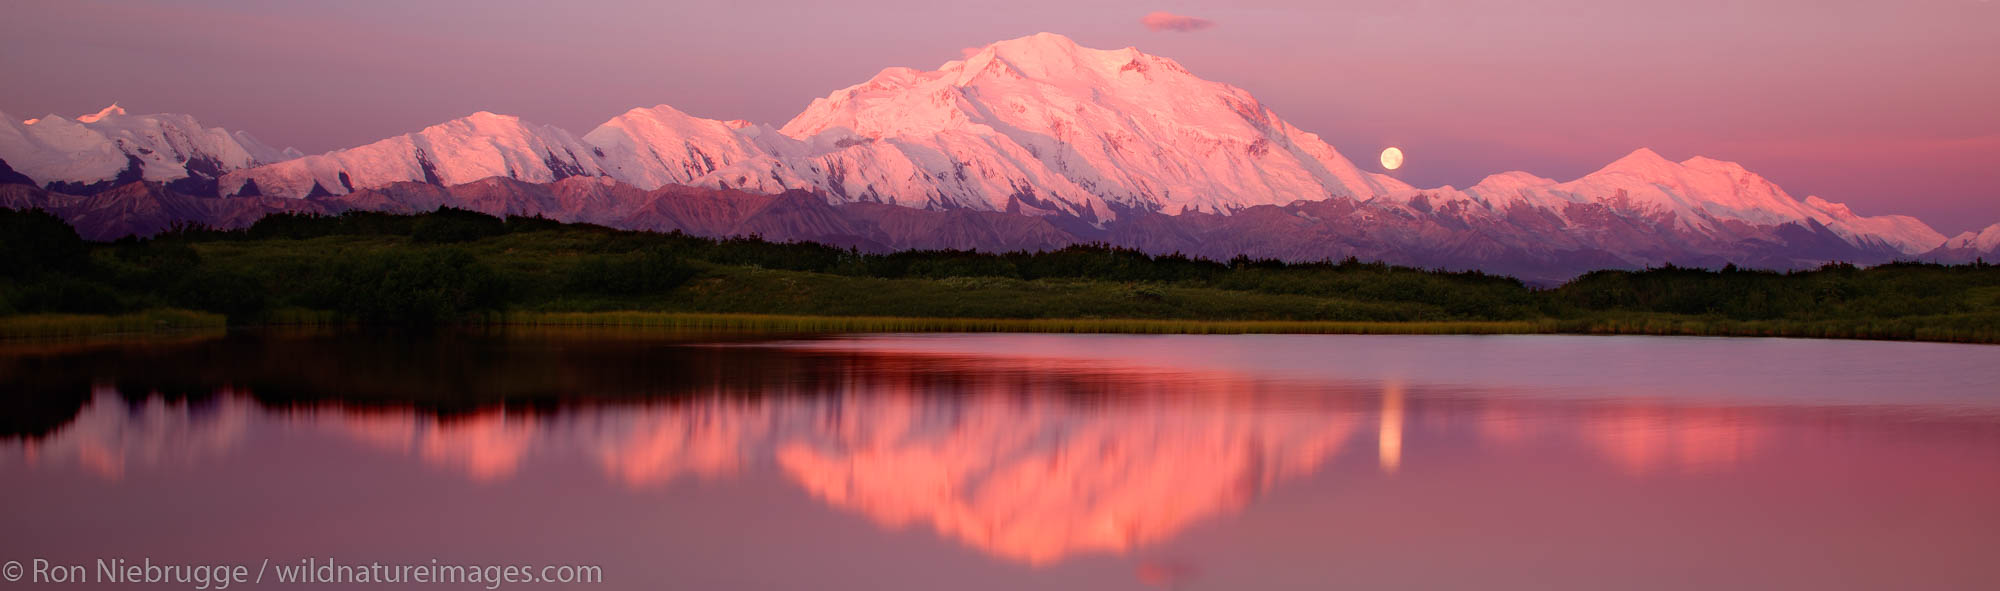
819, 324
48, 326
176, 322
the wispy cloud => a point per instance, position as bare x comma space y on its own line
1167, 21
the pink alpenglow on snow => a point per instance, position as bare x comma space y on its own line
1886, 106
1097, 141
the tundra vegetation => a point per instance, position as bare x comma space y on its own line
461, 267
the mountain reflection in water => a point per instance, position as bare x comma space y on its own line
1033, 459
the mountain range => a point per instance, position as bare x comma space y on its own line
1027, 143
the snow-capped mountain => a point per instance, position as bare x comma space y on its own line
1969, 246
459, 151
1036, 124
1700, 195
1092, 145
653, 147
95, 152
1985, 240
1042, 120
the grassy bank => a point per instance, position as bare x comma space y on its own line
455, 267
1949, 329
51, 326
1973, 328
180, 322
839, 324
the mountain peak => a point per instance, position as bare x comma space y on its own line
1985, 240
1040, 122
1037, 126
1513, 178
1704, 163
1047, 56
95, 152
1043, 42
1642, 161
114, 109
491, 116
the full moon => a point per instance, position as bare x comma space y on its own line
1392, 158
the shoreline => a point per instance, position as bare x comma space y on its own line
27, 327
175, 322
1637, 326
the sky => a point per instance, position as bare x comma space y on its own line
1891, 106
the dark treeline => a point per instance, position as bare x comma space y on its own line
452, 264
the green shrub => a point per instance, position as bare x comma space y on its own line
292, 226
240, 297
33, 242
518, 224
66, 295
409, 287
449, 224
651, 270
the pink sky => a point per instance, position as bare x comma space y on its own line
1887, 105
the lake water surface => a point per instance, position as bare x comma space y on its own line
1019, 461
